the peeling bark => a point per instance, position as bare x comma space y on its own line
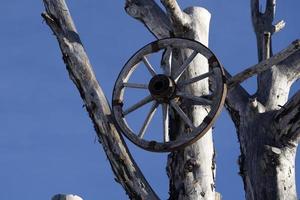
287, 122
288, 56
267, 166
80, 70
189, 180
192, 170
268, 129
268, 125
151, 15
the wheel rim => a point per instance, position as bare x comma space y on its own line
166, 91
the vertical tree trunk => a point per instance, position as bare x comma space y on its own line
267, 159
267, 165
192, 169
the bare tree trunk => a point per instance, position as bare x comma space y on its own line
192, 169
268, 150
268, 125
267, 165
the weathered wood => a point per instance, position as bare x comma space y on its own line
179, 19
183, 116
149, 14
136, 85
127, 173
137, 105
236, 101
218, 196
174, 95
166, 61
149, 66
148, 119
165, 115
263, 27
184, 66
291, 50
267, 161
287, 122
195, 100
192, 170
195, 79
268, 137
267, 166
66, 197
152, 16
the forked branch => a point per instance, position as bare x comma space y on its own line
264, 28
179, 18
80, 70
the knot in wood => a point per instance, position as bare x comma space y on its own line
190, 165
132, 10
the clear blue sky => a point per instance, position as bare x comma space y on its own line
47, 141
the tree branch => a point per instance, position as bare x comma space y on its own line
179, 18
287, 121
284, 57
80, 70
236, 101
268, 89
270, 10
264, 28
290, 66
237, 96
151, 15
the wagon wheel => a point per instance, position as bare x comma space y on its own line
166, 90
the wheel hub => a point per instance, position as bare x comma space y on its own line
162, 87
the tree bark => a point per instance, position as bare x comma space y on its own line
127, 173
268, 134
188, 178
192, 170
268, 125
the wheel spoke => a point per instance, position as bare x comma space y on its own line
195, 79
135, 85
149, 66
183, 116
148, 119
167, 61
138, 105
184, 66
165, 112
196, 100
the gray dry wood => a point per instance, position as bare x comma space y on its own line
268, 128
267, 123
127, 173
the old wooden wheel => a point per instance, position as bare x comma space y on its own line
166, 90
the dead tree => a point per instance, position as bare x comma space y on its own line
267, 123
